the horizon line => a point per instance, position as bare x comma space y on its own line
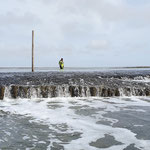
77, 67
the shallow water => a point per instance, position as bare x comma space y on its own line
75, 123
66, 69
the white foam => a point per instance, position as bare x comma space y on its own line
40, 111
138, 79
42, 142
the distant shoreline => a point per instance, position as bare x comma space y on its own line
78, 67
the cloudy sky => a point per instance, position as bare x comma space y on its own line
86, 33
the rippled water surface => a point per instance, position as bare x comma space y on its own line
75, 124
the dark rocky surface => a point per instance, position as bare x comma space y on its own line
49, 84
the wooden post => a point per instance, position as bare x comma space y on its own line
32, 50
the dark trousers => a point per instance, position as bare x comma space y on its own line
61, 67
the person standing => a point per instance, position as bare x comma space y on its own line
61, 64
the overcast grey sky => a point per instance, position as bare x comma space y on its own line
86, 33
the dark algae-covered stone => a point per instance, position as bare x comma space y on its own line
2, 91
53, 91
93, 91
24, 92
14, 91
44, 91
74, 92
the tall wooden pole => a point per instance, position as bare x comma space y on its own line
32, 50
